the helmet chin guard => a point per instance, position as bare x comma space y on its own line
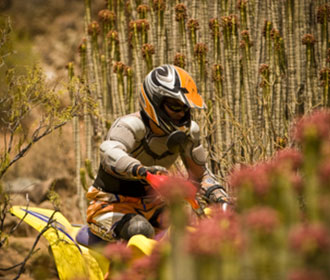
169, 81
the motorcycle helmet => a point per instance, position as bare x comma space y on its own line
169, 82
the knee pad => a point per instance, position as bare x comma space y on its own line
132, 224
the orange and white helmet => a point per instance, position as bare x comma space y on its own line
169, 81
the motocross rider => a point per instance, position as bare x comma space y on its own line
120, 205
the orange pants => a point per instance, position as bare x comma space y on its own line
106, 210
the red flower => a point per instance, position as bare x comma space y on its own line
264, 69
256, 176
306, 275
296, 181
107, 16
118, 67
143, 10
214, 233
192, 24
118, 251
200, 50
288, 158
316, 125
262, 219
83, 46
180, 12
140, 25
147, 49
324, 173
142, 267
308, 39
215, 27
145, 267
308, 238
94, 28
180, 60
241, 4
159, 5
139, 270
113, 36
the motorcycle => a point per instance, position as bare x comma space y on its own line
76, 251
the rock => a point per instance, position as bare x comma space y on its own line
39, 193
64, 186
20, 185
37, 190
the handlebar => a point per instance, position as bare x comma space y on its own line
159, 183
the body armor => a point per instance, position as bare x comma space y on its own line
130, 141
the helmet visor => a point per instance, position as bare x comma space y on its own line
176, 107
177, 112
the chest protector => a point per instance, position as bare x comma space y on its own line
130, 141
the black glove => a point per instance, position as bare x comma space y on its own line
140, 171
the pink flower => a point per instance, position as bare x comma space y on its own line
288, 158
307, 238
305, 274
256, 176
145, 267
315, 125
213, 234
142, 267
139, 270
118, 251
324, 173
296, 181
262, 219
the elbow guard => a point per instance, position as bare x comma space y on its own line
113, 156
199, 155
194, 149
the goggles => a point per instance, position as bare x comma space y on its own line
175, 107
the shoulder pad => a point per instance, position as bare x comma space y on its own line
194, 131
134, 124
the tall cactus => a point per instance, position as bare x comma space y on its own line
77, 145
251, 105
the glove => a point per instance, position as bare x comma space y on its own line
216, 194
140, 171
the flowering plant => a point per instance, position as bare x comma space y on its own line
278, 229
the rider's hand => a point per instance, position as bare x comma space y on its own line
140, 171
215, 194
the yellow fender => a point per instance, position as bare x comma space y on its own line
141, 245
73, 261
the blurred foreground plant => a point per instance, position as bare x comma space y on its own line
278, 229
